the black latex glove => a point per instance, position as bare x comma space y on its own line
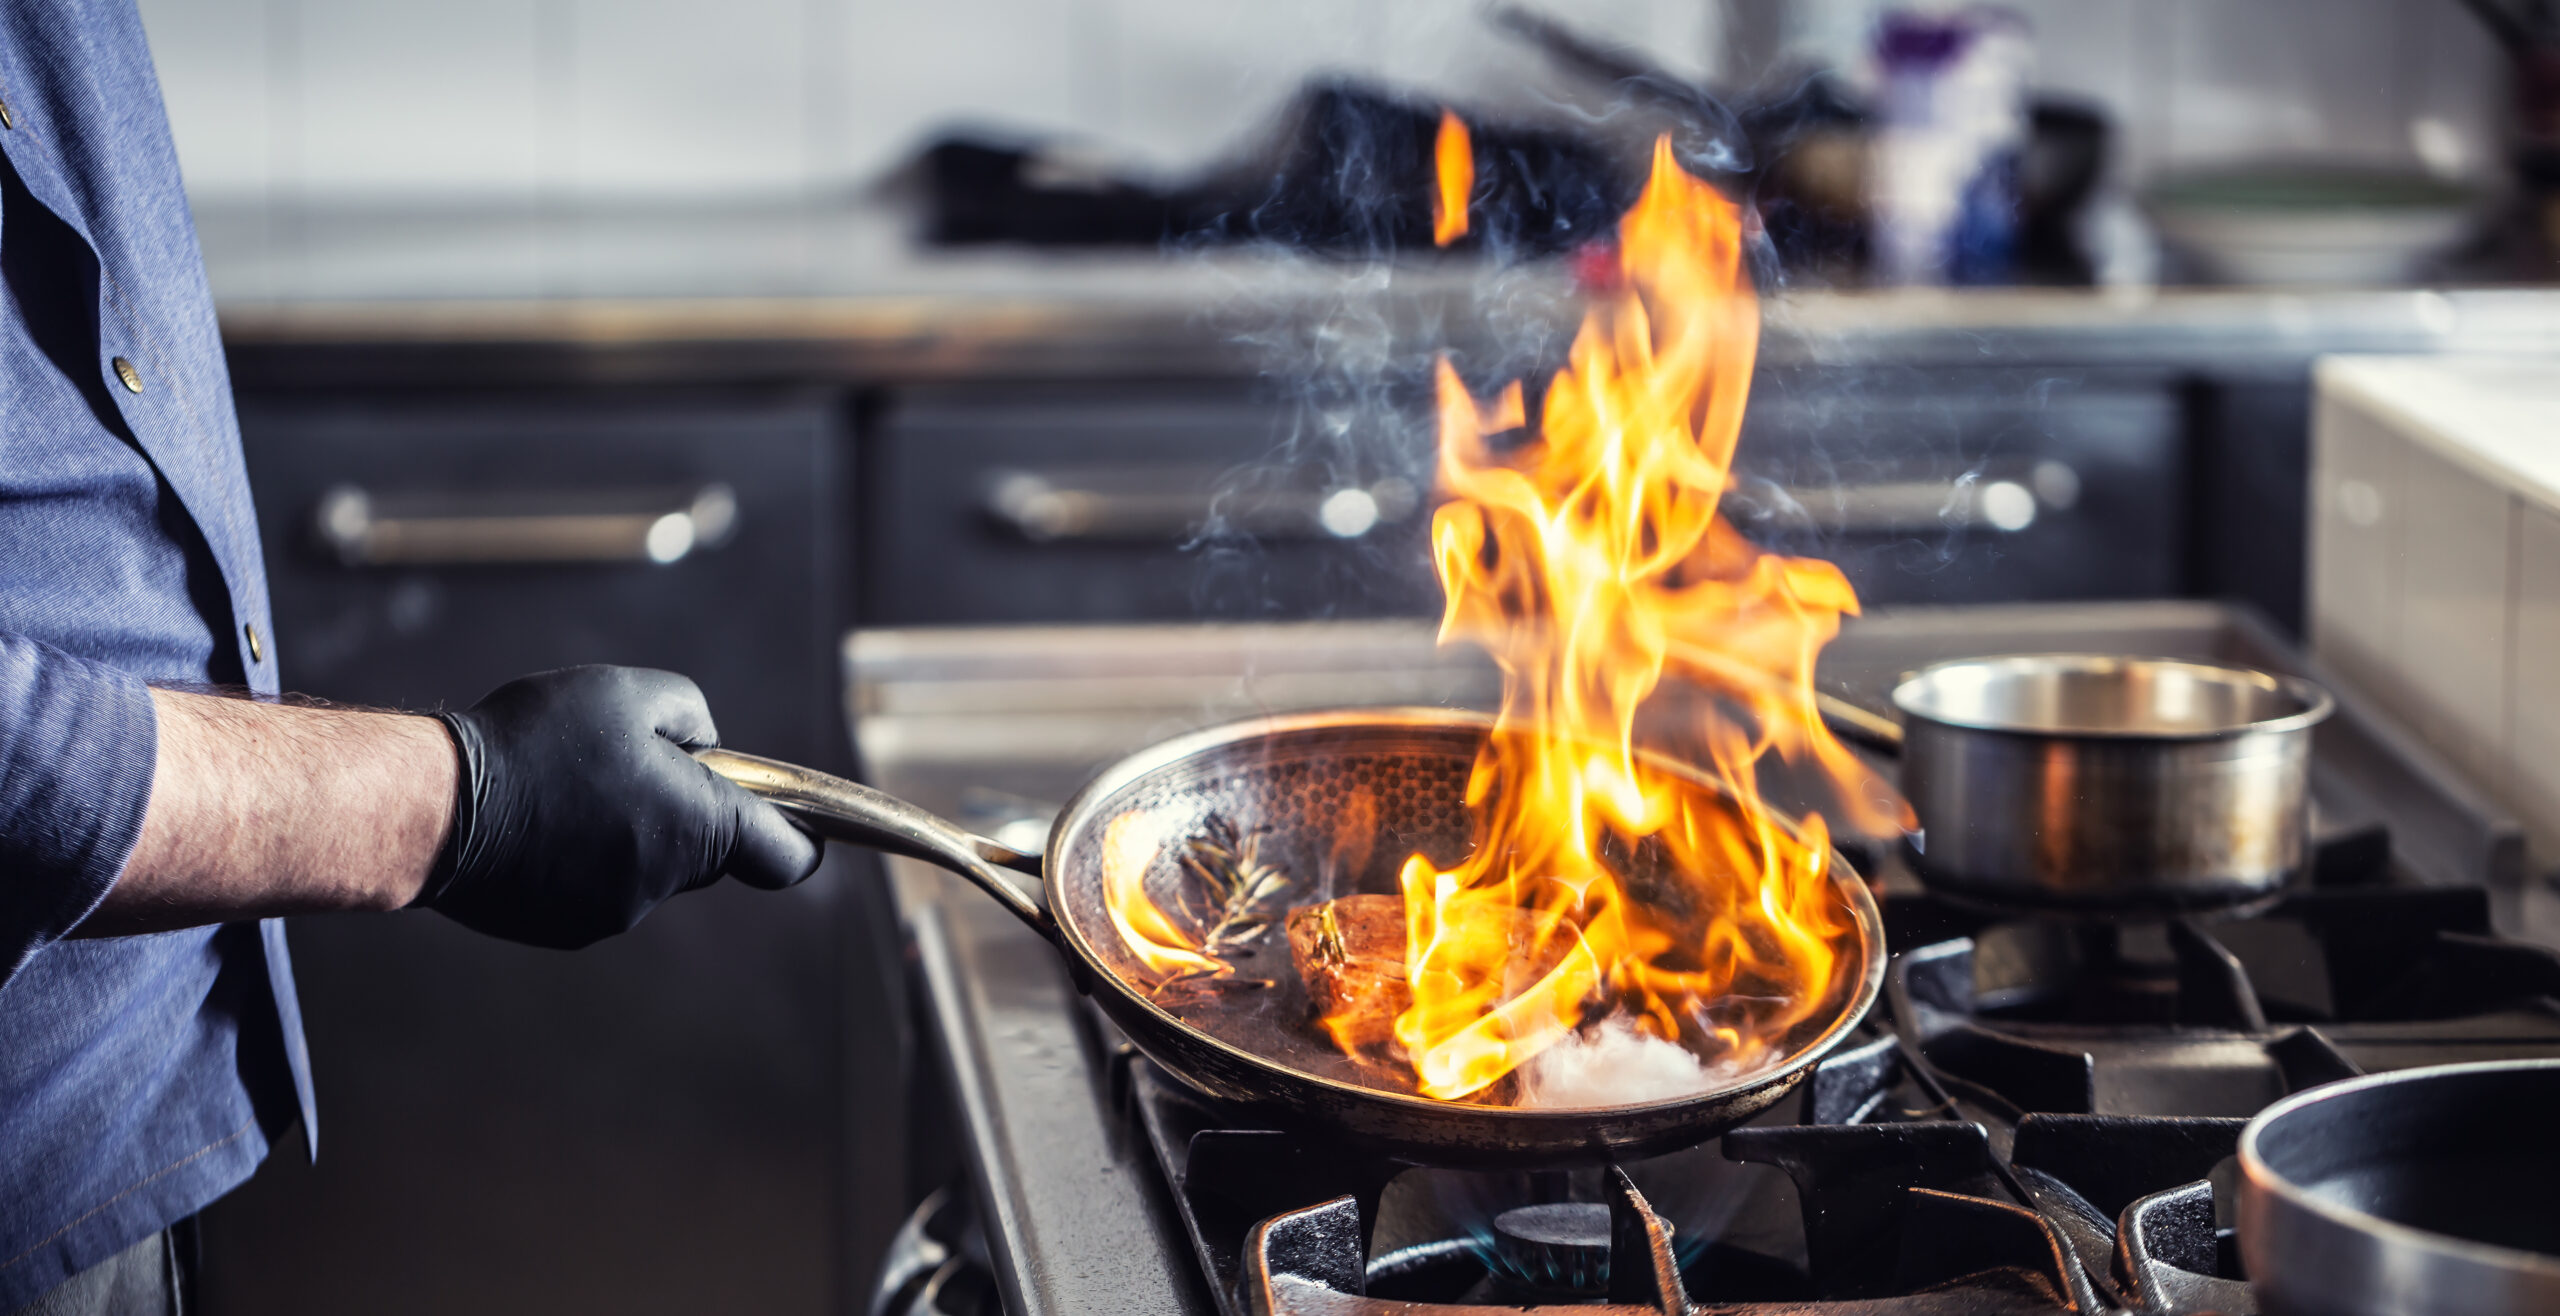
579, 809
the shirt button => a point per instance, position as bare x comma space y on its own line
132, 378
257, 651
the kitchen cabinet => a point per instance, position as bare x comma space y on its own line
1970, 485
664, 1122
1041, 503
1029, 502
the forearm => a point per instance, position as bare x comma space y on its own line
265, 809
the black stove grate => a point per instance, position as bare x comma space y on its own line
2037, 1121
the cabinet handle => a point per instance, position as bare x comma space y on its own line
645, 526
1139, 505
2001, 503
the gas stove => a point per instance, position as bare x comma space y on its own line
2039, 1117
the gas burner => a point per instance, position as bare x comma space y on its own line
1559, 1248
2193, 1019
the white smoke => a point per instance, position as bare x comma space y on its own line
1614, 1064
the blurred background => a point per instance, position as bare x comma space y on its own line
747, 339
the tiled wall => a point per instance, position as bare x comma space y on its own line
534, 100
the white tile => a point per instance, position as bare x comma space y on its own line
2456, 77
2256, 78
405, 99
2534, 763
1182, 82
2086, 48
212, 56
2457, 542
2356, 519
674, 97
1445, 48
912, 69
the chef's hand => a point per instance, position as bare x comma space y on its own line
579, 809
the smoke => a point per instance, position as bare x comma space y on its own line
1613, 1063
1316, 244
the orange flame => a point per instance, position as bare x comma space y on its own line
1163, 944
1588, 558
1456, 155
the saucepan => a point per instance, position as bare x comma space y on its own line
2100, 782
2421, 1191
1294, 783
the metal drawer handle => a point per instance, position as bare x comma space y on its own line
1121, 506
2006, 504
430, 531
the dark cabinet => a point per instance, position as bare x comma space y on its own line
423, 550
1147, 502
1140, 501
663, 1123
1970, 485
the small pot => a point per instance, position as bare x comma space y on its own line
2421, 1191
2095, 782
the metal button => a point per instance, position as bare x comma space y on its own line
8, 117
257, 651
132, 378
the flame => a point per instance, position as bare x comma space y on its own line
1129, 848
1588, 558
1455, 154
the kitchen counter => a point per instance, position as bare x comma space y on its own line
837, 292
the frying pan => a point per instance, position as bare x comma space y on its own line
1343, 794
2421, 1191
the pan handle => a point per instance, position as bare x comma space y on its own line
858, 815
1858, 724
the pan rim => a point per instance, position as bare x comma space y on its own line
1080, 809
2261, 1177
2315, 702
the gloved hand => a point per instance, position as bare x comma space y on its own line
579, 809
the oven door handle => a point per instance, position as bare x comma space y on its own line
654, 527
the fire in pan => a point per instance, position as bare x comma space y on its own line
1197, 890
1547, 936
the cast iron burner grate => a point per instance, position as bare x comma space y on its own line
2035, 1123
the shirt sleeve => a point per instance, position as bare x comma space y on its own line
78, 741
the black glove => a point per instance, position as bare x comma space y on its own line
579, 809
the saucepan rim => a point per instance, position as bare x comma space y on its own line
2313, 704
1082, 811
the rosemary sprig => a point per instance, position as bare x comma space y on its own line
1240, 885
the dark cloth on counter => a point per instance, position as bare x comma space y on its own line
140, 1077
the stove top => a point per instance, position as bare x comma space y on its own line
2039, 1116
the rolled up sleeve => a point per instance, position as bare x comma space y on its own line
77, 745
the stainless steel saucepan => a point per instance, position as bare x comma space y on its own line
1346, 794
2099, 782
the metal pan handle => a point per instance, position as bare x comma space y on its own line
1858, 724
858, 815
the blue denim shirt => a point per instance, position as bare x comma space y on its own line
140, 1077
